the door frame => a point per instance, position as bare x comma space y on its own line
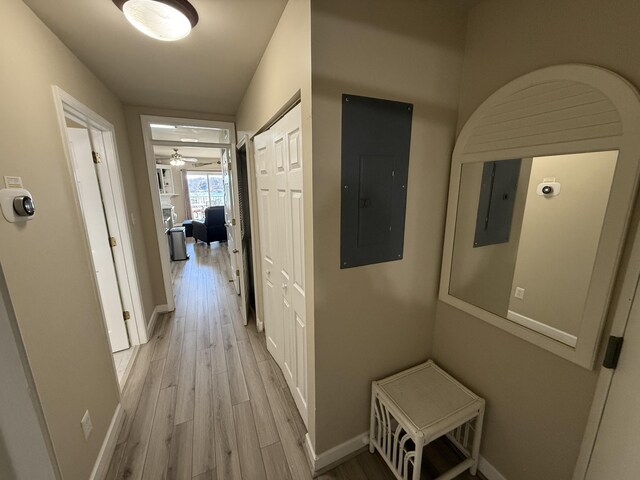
620, 312
126, 269
246, 143
163, 247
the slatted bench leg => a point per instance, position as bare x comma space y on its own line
417, 459
475, 450
372, 423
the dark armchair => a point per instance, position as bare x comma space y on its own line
213, 228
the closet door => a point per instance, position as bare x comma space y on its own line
288, 163
278, 157
264, 165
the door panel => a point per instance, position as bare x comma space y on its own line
278, 155
93, 213
267, 202
230, 220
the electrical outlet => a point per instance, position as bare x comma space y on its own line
519, 293
87, 426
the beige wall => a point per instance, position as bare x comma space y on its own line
46, 261
537, 403
283, 76
146, 225
374, 320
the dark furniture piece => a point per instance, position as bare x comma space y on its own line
188, 228
213, 228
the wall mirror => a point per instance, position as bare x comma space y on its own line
543, 181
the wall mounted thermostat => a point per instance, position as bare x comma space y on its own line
17, 204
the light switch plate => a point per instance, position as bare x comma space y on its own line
519, 293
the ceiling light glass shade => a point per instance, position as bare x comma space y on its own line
166, 20
176, 158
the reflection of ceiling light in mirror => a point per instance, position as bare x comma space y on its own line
192, 140
159, 125
165, 20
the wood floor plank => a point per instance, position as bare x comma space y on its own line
265, 424
202, 324
180, 454
278, 375
206, 476
237, 383
155, 465
204, 458
248, 445
186, 380
227, 459
114, 465
290, 403
275, 462
236, 318
217, 349
291, 443
134, 386
351, 470
172, 365
163, 337
138, 439
257, 343
374, 467
223, 305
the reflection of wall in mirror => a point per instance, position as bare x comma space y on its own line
483, 276
559, 238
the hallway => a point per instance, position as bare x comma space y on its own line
205, 400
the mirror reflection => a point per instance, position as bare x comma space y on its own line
527, 235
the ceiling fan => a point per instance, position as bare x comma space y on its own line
177, 160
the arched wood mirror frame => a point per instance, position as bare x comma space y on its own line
558, 110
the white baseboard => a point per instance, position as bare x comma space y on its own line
488, 470
101, 466
334, 455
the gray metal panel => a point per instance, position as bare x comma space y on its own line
497, 199
376, 136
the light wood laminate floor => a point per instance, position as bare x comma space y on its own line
205, 400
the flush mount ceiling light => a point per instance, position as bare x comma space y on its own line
166, 20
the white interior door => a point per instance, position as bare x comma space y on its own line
233, 240
265, 183
238, 236
615, 454
279, 170
94, 218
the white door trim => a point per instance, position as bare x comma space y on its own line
127, 270
247, 144
621, 311
146, 121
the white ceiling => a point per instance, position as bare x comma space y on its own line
208, 71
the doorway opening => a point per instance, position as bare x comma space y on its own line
194, 188
90, 146
244, 201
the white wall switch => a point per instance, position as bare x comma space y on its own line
519, 293
87, 426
